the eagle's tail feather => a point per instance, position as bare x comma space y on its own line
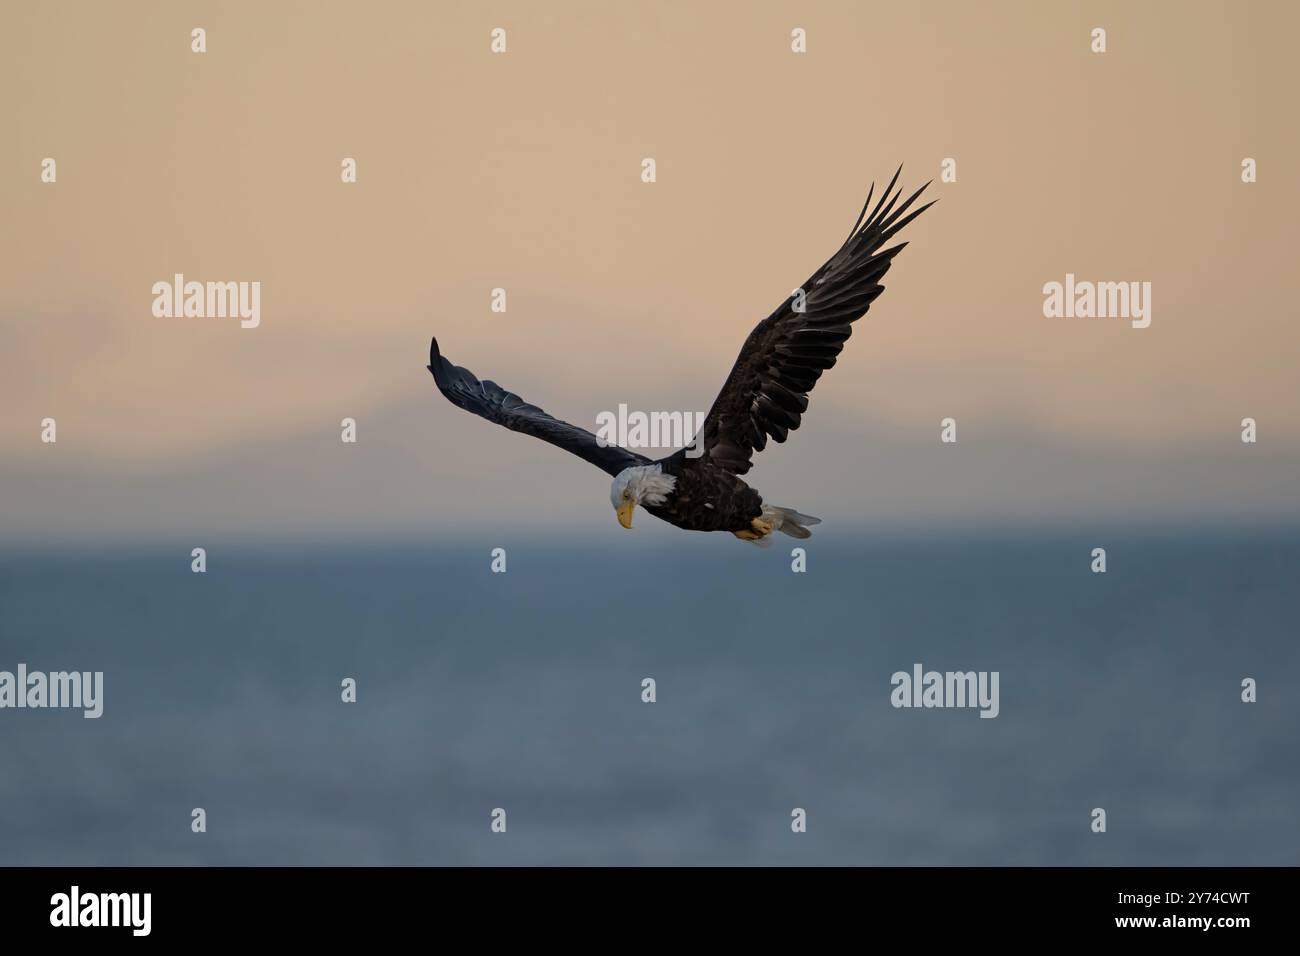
788, 521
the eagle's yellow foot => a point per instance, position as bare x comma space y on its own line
761, 529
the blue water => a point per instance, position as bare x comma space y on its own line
523, 691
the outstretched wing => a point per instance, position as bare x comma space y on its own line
491, 401
767, 390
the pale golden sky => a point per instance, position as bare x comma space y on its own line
521, 171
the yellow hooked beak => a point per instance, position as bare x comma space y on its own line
625, 513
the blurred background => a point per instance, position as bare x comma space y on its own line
522, 171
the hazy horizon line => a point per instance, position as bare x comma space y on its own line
842, 536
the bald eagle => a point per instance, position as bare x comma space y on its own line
765, 395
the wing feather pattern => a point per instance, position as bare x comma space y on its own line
766, 393
489, 400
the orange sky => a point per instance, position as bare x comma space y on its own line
522, 171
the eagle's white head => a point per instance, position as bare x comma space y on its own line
641, 484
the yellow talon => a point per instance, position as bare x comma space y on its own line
761, 529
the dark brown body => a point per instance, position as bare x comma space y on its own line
706, 497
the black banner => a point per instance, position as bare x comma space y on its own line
331, 905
